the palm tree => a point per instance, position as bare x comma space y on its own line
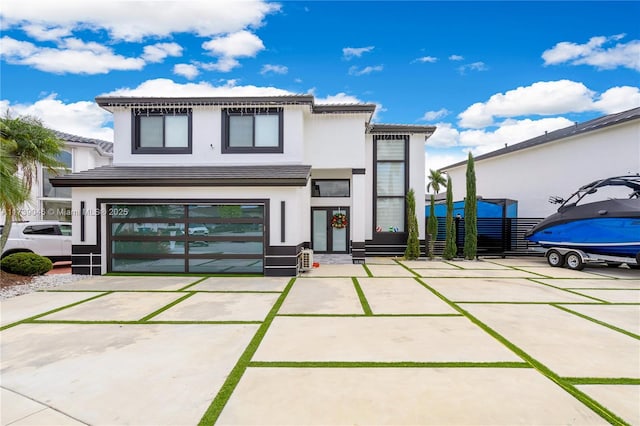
436, 181
26, 143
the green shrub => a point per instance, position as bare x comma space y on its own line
26, 264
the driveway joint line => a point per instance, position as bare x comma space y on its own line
591, 403
164, 308
44, 404
602, 380
193, 283
393, 364
533, 280
415, 274
214, 410
363, 300
602, 323
367, 270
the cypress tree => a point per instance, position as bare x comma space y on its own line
413, 244
471, 213
432, 227
450, 247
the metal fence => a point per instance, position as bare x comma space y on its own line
496, 236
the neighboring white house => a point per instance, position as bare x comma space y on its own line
556, 163
54, 203
242, 185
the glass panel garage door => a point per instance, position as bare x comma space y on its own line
196, 238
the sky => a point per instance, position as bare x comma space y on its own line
485, 74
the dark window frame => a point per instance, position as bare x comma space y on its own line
230, 112
313, 183
405, 160
136, 113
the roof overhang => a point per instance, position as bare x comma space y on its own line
172, 176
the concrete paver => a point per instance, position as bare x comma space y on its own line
569, 345
427, 264
401, 296
597, 283
389, 271
111, 374
116, 307
408, 396
328, 270
47, 417
622, 399
614, 296
130, 283
388, 339
322, 296
242, 284
626, 317
517, 262
29, 305
480, 264
221, 307
500, 290
551, 272
475, 273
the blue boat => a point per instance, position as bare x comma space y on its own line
601, 219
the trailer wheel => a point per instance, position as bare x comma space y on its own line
555, 258
574, 261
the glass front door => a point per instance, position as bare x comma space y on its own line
330, 232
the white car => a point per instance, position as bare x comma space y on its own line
51, 239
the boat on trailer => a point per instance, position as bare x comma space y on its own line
600, 222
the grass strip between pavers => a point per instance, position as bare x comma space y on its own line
180, 275
374, 364
34, 317
193, 283
414, 273
594, 405
568, 290
363, 300
143, 322
602, 323
602, 380
217, 405
164, 308
367, 270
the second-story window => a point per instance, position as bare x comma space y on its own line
161, 131
252, 130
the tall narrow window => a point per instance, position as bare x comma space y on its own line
56, 201
252, 130
391, 183
161, 131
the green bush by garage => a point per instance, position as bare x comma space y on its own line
27, 264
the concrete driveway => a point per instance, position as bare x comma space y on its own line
499, 341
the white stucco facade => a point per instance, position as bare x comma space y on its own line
555, 168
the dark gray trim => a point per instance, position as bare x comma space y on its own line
140, 176
82, 220
283, 222
358, 252
353, 108
230, 112
86, 260
281, 272
401, 128
358, 171
159, 112
329, 232
313, 184
576, 129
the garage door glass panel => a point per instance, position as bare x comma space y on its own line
238, 229
225, 247
147, 265
226, 266
226, 211
155, 211
150, 229
148, 247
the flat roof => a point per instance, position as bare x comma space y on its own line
129, 176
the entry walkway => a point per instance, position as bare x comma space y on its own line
499, 341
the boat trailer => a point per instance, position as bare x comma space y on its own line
576, 259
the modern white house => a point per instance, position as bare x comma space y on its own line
54, 203
555, 164
243, 185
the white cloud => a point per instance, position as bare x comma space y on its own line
541, 98
159, 51
434, 115
168, 88
186, 70
510, 132
223, 65
135, 20
241, 44
434, 159
456, 58
475, 66
338, 98
618, 99
445, 136
426, 59
83, 118
596, 53
354, 70
73, 56
355, 52
276, 69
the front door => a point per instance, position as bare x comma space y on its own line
330, 233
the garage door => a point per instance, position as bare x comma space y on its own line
186, 238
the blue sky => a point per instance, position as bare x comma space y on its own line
485, 73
